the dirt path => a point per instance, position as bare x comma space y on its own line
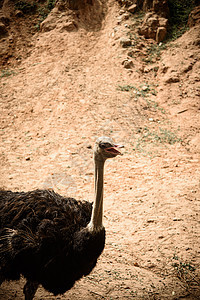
74, 88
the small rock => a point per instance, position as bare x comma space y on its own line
161, 237
89, 174
4, 19
130, 53
163, 22
163, 69
125, 42
196, 42
161, 34
128, 64
150, 265
150, 68
177, 219
132, 8
122, 11
122, 18
172, 79
60, 5
3, 29
69, 26
48, 24
188, 248
27, 158
151, 220
126, 16
145, 88
19, 13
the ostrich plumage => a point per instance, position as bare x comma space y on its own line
49, 239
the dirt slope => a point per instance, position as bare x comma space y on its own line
71, 89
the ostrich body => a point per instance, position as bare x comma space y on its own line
50, 239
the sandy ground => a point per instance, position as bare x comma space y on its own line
73, 88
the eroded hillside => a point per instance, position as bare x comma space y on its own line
79, 81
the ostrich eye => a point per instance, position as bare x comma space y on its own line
105, 145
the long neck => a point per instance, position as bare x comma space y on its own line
96, 222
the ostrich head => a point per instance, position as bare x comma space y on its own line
105, 148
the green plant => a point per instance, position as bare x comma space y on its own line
179, 12
25, 6
6, 73
185, 272
183, 268
148, 137
126, 88
166, 136
154, 52
138, 17
143, 91
50, 4
43, 11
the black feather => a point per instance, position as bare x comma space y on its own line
43, 236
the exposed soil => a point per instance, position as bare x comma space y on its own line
72, 88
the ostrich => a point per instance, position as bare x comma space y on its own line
49, 239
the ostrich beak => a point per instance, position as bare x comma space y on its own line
119, 146
114, 149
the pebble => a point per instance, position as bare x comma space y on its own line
151, 220
132, 8
128, 64
145, 88
125, 42
177, 219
